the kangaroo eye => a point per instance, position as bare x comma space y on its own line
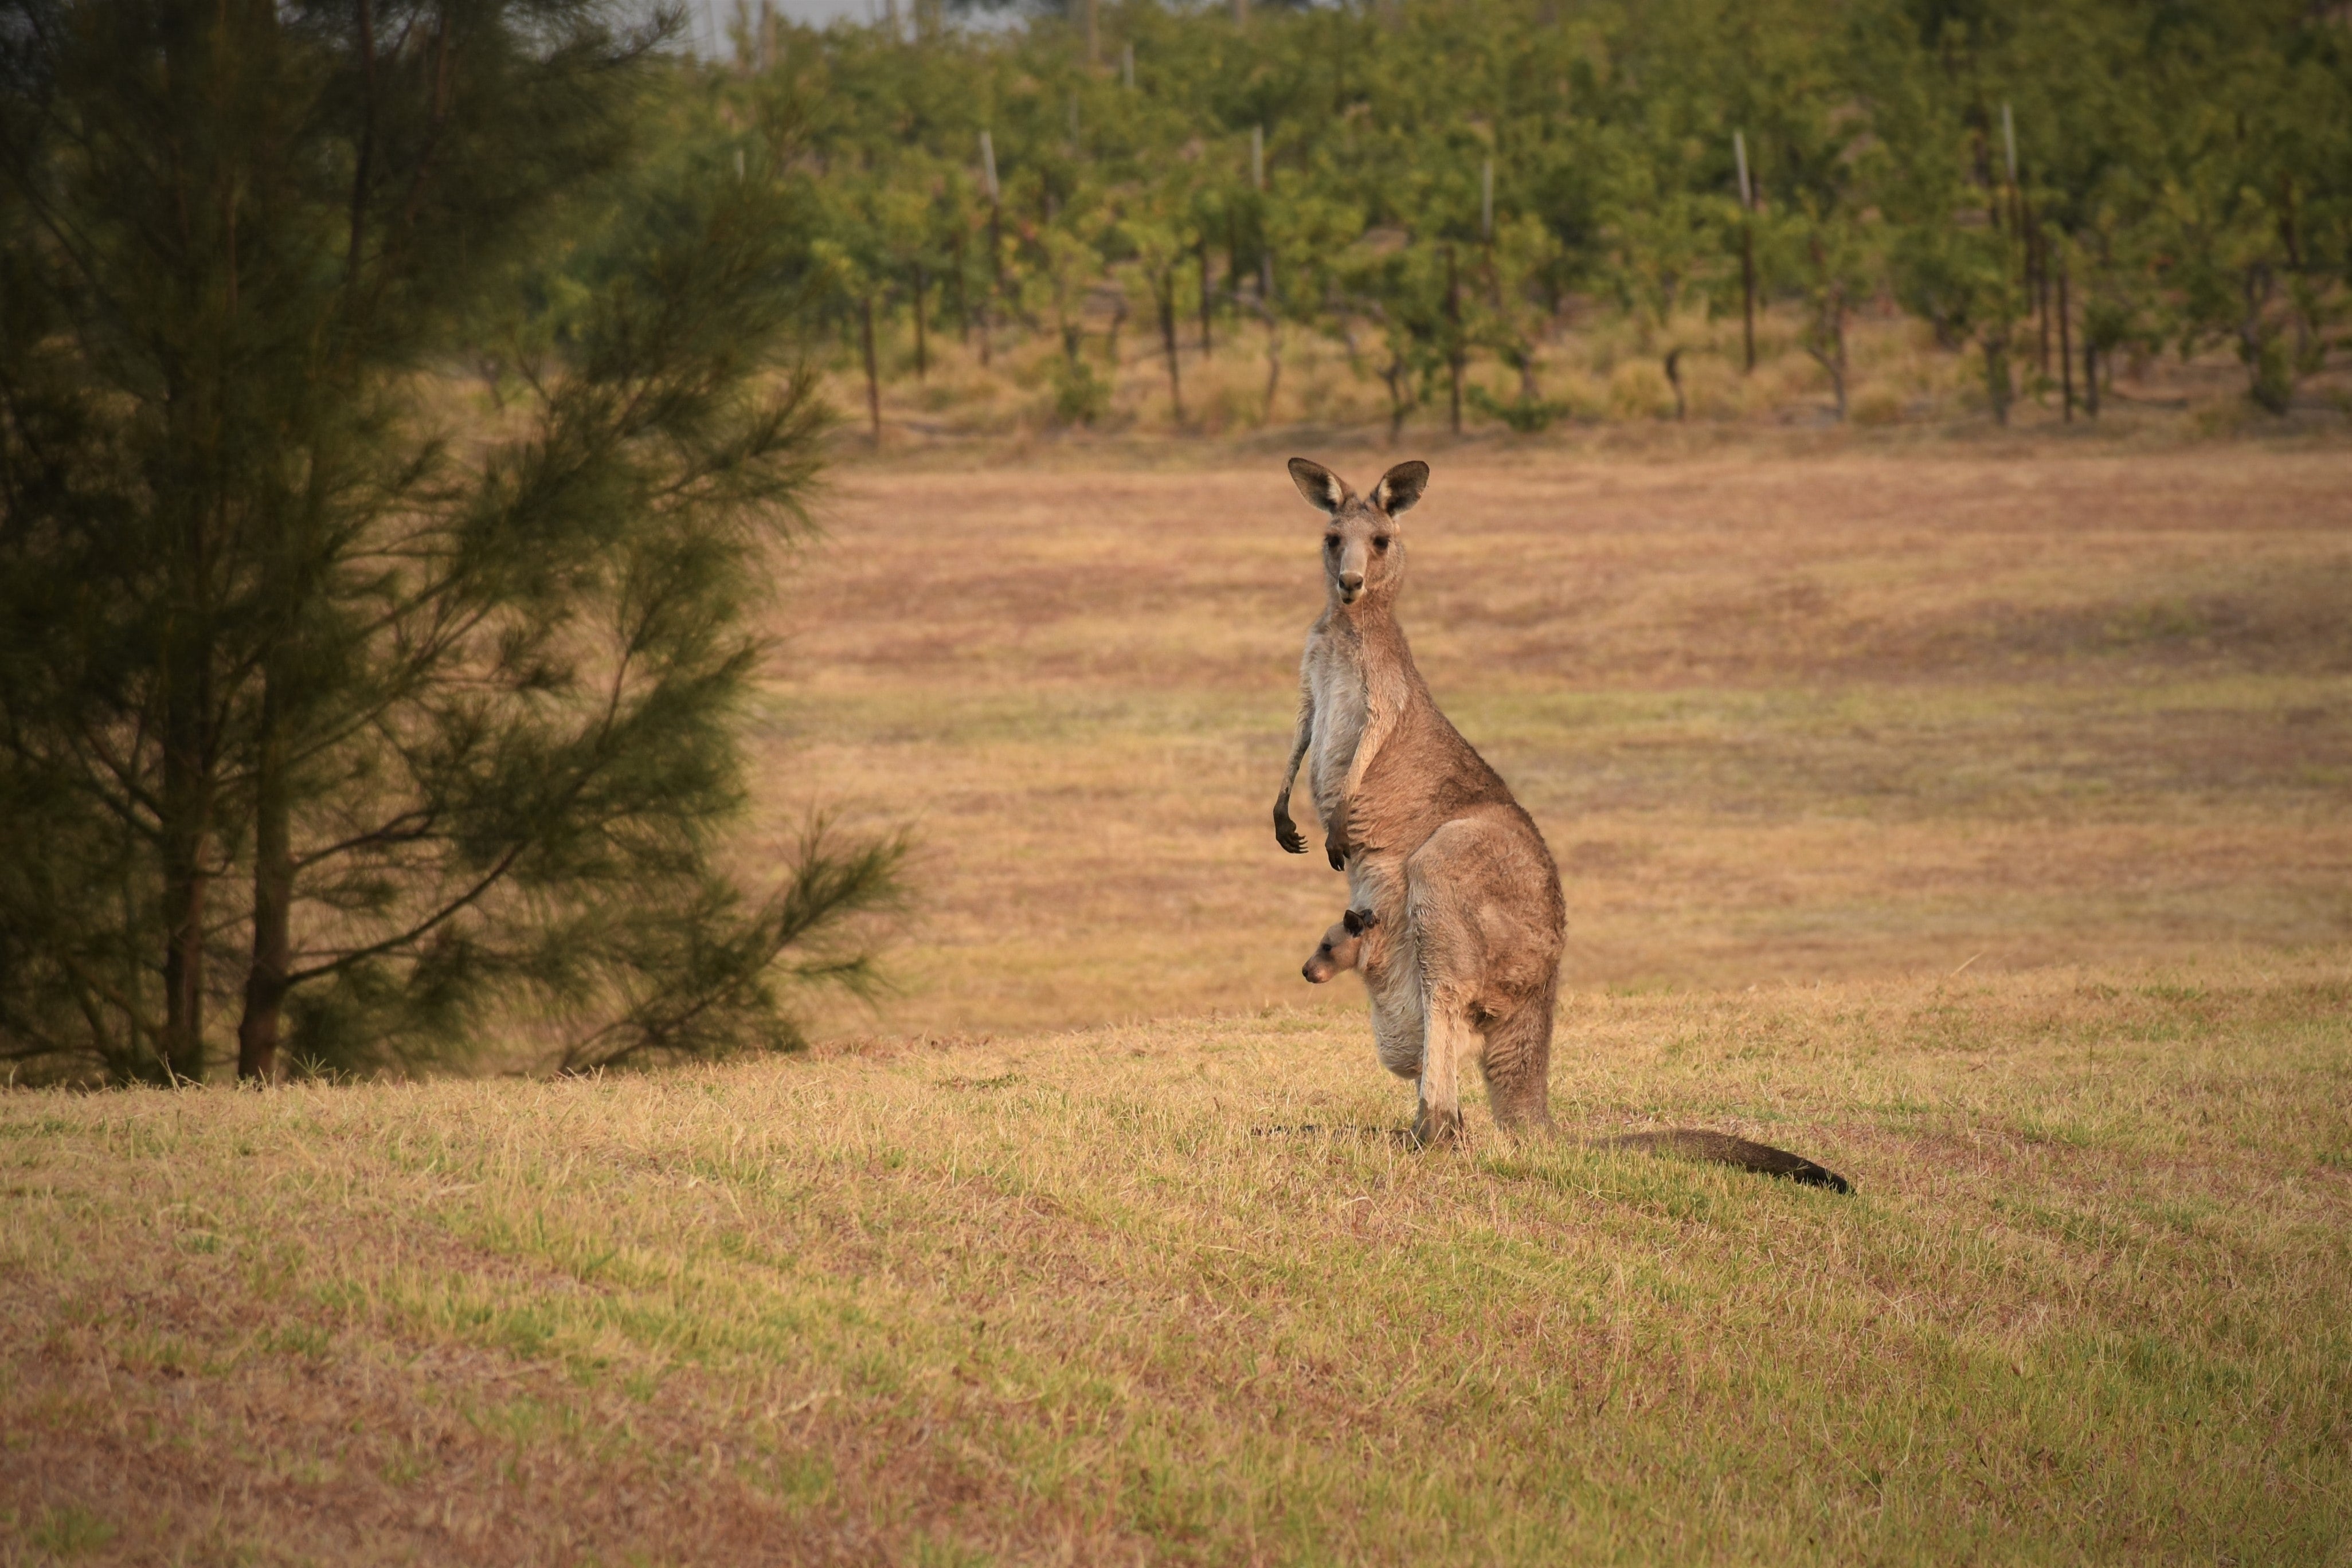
1330, 541
1381, 542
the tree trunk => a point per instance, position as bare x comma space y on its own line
2090, 378
1272, 333
962, 306
1996, 358
1398, 406
185, 828
273, 896
996, 263
1234, 255
186, 884
873, 376
1454, 334
2042, 297
1837, 354
2065, 345
1167, 294
1675, 380
1747, 290
922, 345
1202, 245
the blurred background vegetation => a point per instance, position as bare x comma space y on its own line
405, 405
1514, 212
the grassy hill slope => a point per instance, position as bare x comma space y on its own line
1174, 1292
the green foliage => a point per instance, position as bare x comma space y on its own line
416, 716
2190, 168
1081, 394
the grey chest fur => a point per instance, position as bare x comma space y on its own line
1335, 681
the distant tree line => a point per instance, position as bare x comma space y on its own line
1433, 183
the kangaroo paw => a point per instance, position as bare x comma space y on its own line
1433, 1128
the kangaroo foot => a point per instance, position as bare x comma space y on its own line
1526, 1125
1434, 1127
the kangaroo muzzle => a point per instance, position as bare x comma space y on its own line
1352, 562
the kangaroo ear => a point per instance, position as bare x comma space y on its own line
1399, 488
1325, 491
1358, 921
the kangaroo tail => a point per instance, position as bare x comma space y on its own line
1723, 1149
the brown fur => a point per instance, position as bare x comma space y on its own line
1343, 949
1454, 875
1431, 839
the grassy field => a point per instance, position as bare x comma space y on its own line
1976, 821
1845, 716
1174, 1293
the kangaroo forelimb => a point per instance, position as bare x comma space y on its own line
1335, 842
1286, 831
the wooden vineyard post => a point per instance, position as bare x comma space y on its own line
1747, 249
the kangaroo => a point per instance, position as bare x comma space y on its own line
1342, 949
1449, 871
1432, 841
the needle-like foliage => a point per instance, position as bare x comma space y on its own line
384, 716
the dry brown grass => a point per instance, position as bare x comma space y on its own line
1175, 1292
1976, 824
1782, 717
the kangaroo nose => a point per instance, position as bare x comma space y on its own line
1352, 581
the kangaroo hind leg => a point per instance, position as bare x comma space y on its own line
1518, 1066
1452, 1038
